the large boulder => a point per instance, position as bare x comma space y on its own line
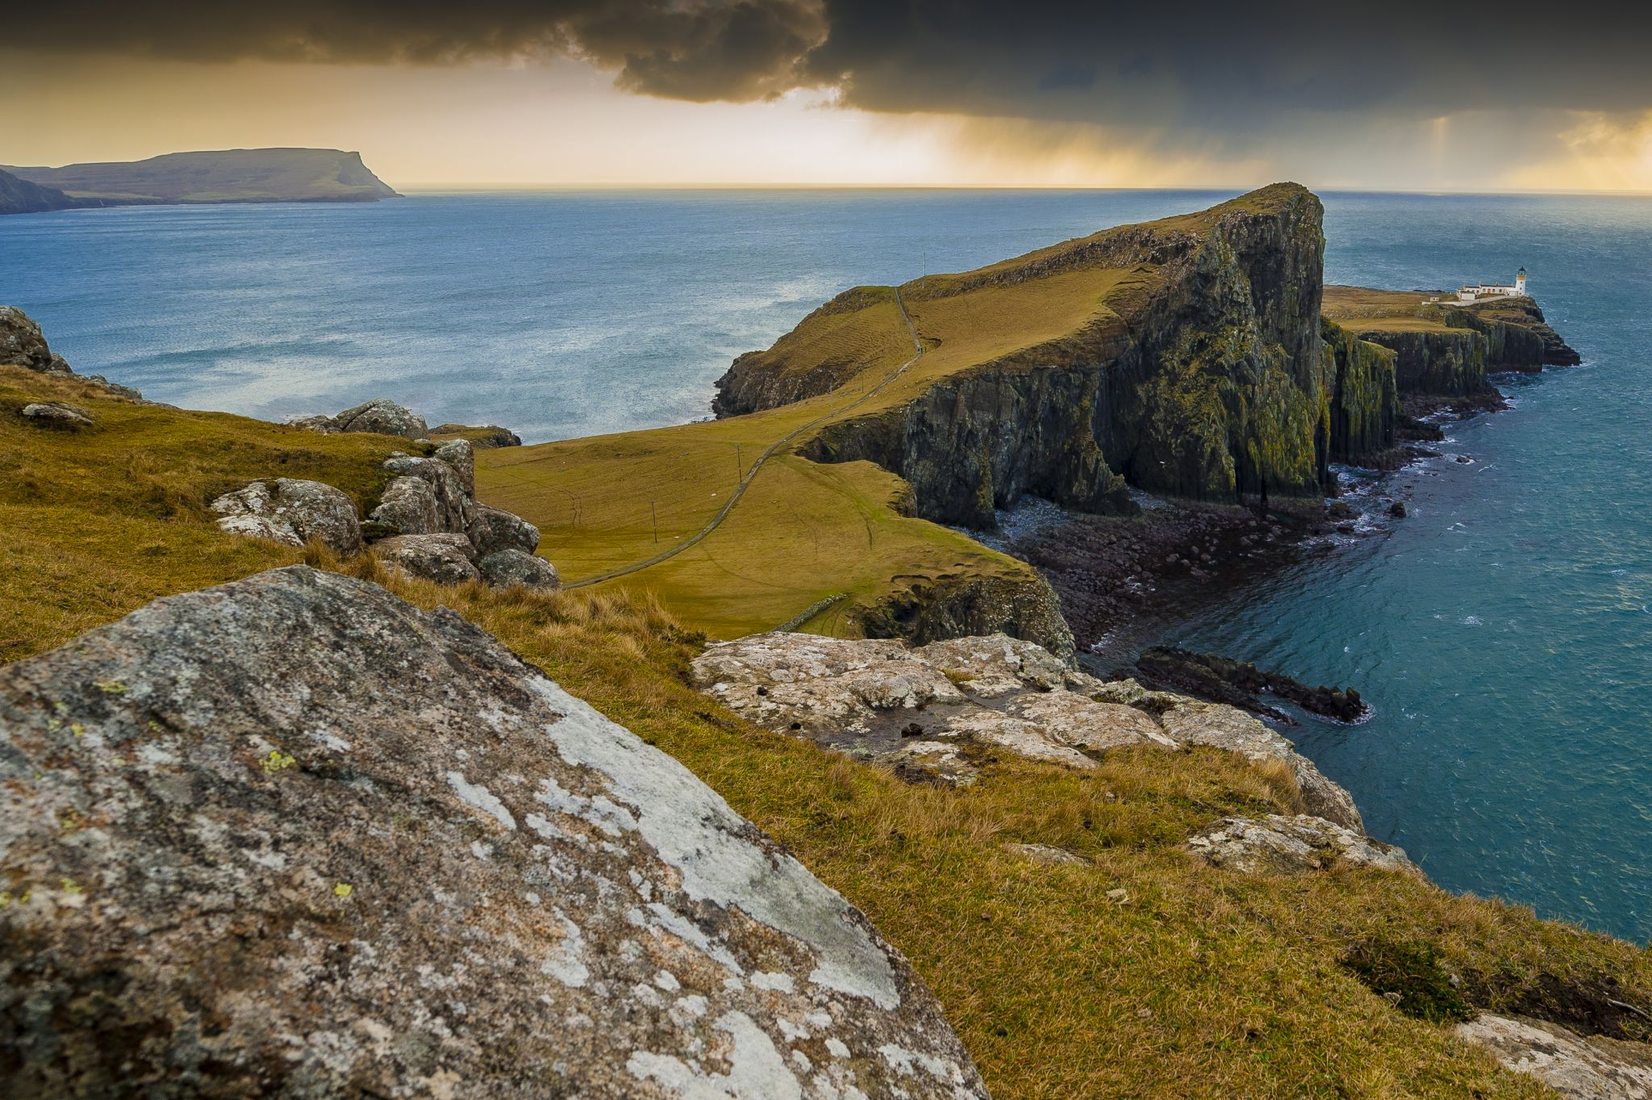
461, 458
1293, 846
494, 529
57, 414
396, 861
455, 507
514, 569
381, 416
291, 511
407, 507
23, 345
443, 558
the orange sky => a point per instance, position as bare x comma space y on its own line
563, 123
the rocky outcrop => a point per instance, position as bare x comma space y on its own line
494, 530
23, 345
396, 861
380, 415
1292, 846
1518, 336
1020, 605
481, 436
1575, 1067
1241, 684
921, 709
1207, 380
56, 414
1365, 405
291, 511
406, 507
1436, 362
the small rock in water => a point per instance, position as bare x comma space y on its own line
1397, 509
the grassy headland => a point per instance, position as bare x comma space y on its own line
1198, 983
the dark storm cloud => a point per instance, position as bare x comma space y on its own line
1213, 68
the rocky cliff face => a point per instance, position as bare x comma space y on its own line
1518, 336
1204, 380
392, 860
1449, 363
20, 196
1364, 395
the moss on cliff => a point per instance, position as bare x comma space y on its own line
1364, 404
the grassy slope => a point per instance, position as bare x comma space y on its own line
1204, 984
1362, 309
805, 531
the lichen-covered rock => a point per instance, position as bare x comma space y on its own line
873, 698
1231, 729
444, 558
1021, 605
1293, 846
494, 529
57, 414
291, 511
396, 861
1575, 1067
382, 416
23, 345
513, 568
455, 507
461, 458
406, 507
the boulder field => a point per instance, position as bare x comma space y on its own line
395, 861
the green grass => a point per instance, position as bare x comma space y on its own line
1362, 309
1204, 984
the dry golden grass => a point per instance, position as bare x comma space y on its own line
1203, 984
1362, 309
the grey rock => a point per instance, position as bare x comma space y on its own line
115, 389
443, 558
1293, 846
382, 416
870, 697
494, 529
396, 861
513, 568
407, 507
57, 414
481, 436
291, 511
326, 425
1575, 1067
1044, 853
455, 507
459, 454
21, 342
1229, 728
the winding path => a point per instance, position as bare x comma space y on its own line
772, 450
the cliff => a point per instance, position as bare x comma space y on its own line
1182, 356
20, 196
1445, 349
1364, 395
219, 176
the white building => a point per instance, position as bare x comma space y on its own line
1479, 293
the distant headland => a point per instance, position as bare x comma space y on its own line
212, 176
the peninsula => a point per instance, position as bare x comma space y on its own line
218, 176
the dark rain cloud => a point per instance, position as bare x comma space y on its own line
1213, 68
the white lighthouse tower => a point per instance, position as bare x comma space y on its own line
1520, 281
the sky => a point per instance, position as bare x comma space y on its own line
1398, 96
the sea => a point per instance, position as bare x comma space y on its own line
1502, 631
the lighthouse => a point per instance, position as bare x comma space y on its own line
1520, 281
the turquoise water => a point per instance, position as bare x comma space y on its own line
1501, 631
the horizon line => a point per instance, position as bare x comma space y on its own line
453, 187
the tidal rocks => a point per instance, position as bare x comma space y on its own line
1575, 1067
57, 414
481, 436
1241, 684
516, 568
443, 558
291, 511
863, 697
395, 860
379, 415
1293, 846
494, 529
